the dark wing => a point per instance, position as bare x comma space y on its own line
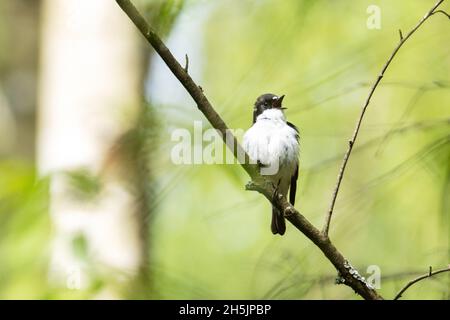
293, 188
294, 178
290, 124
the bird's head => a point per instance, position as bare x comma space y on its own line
268, 101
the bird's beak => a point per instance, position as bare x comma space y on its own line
277, 103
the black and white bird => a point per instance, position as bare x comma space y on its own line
273, 143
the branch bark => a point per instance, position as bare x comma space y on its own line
430, 274
347, 274
352, 140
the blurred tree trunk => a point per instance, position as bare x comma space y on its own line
91, 89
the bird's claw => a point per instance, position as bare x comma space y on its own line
275, 189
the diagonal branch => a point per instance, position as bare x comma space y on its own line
352, 140
347, 274
430, 274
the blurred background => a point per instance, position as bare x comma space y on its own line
91, 205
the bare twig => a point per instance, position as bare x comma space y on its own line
346, 272
352, 140
429, 274
442, 12
186, 65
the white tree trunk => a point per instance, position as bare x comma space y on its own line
90, 94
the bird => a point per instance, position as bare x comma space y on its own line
274, 144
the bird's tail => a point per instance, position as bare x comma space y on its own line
278, 225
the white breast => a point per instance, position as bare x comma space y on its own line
271, 141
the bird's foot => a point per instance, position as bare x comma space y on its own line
276, 187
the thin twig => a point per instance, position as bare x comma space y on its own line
429, 274
352, 140
442, 12
186, 65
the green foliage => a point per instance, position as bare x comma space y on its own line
80, 246
208, 237
162, 13
85, 186
24, 231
